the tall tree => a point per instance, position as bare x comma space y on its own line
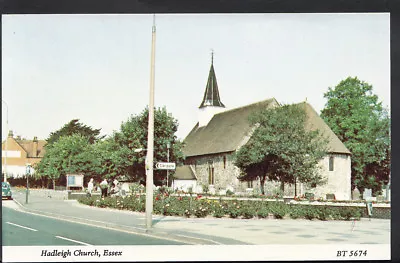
281, 148
75, 127
133, 136
357, 117
69, 154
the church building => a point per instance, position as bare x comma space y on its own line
220, 132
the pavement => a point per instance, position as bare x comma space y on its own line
212, 231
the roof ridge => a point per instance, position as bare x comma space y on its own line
26, 151
248, 105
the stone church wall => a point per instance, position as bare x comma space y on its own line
226, 173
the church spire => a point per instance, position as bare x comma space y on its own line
211, 94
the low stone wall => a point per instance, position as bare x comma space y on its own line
77, 195
61, 195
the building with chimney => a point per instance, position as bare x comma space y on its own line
17, 152
220, 132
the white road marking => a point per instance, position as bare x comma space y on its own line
200, 239
31, 229
98, 226
79, 242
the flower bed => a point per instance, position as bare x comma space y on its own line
198, 206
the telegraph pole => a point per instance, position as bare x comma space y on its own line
150, 136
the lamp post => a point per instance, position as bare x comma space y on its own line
28, 172
168, 146
6, 150
150, 135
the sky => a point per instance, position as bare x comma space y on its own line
96, 68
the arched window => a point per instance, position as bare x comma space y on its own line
224, 161
210, 173
331, 163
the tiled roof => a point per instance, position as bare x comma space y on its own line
28, 147
225, 132
184, 172
314, 122
228, 130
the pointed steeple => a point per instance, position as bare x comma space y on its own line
211, 94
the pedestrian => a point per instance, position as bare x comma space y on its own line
104, 188
90, 187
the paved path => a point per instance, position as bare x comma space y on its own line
220, 231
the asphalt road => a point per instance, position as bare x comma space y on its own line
24, 229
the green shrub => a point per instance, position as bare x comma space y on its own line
322, 213
348, 213
279, 210
219, 211
248, 211
234, 210
187, 206
201, 211
263, 212
188, 213
296, 212
309, 212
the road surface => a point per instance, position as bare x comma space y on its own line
25, 229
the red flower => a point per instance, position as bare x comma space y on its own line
157, 198
199, 196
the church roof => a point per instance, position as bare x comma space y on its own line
225, 132
211, 94
314, 122
229, 130
185, 172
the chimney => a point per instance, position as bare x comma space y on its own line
35, 147
10, 134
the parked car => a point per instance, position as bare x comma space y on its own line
6, 190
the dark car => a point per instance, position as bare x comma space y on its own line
6, 190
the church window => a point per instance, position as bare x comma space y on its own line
331, 163
224, 162
210, 175
249, 184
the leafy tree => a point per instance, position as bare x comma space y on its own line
69, 154
133, 135
75, 127
110, 158
281, 148
354, 113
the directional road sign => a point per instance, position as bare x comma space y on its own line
165, 166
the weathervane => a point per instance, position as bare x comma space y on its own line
212, 56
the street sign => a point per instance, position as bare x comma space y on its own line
165, 166
28, 169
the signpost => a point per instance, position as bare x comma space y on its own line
74, 180
165, 166
369, 209
28, 173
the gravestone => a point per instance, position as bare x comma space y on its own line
367, 195
356, 194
